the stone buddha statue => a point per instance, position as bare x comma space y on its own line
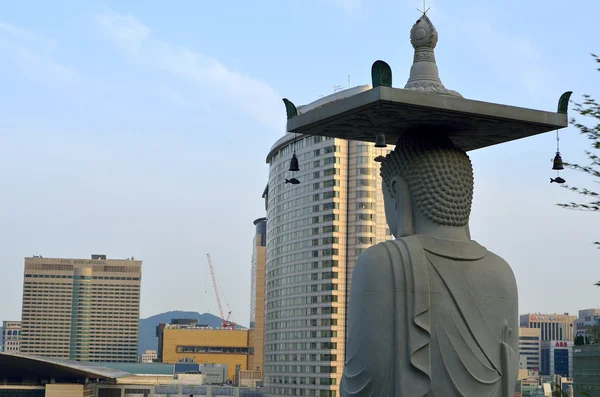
431, 313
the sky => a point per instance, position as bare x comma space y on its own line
141, 128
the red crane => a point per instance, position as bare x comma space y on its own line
226, 323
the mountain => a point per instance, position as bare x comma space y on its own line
148, 339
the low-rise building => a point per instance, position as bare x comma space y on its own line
150, 356
587, 318
11, 337
30, 376
204, 345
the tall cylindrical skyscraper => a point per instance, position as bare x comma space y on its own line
315, 231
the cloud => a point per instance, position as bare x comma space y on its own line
32, 53
254, 97
125, 29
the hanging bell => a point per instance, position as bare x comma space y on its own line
294, 163
558, 163
380, 140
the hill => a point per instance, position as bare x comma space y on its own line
148, 339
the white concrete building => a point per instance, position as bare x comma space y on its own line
587, 318
315, 231
149, 356
11, 337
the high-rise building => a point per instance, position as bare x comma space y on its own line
587, 318
557, 358
257, 297
529, 347
315, 231
81, 309
552, 326
11, 337
586, 369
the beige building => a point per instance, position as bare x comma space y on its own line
530, 340
315, 231
150, 356
257, 298
81, 309
11, 337
204, 345
551, 326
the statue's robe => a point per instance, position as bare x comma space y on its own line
431, 317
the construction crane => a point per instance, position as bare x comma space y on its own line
226, 323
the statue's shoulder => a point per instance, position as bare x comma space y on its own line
386, 252
375, 266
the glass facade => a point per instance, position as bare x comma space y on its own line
315, 232
586, 371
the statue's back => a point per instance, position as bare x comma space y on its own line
430, 316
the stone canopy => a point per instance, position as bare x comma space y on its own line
424, 103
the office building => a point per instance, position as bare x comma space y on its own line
149, 356
11, 337
81, 309
556, 358
586, 369
587, 318
201, 344
257, 297
315, 231
529, 348
551, 326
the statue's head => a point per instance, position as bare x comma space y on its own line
426, 179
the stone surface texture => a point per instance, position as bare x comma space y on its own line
432, 313
424, 74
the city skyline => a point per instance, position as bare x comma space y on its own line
106, 138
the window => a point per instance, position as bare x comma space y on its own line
315, 231
316, 197
315, 208
330, 251
365, 240
331, 217
366, 183
364, 206
330, 240
317, 153
365, 171
331, 183
316, 186
330, 206
330, 160
331, 171
317, 139
332, 194
316, 163
316, 174
365, 217
365, 194
315, 219
330, 229
331, 149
